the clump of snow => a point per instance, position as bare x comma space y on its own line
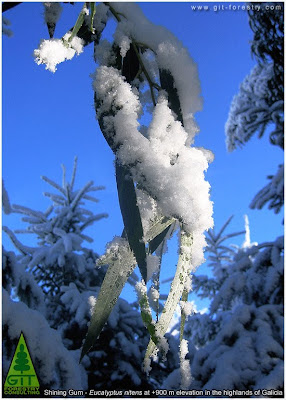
79, 303
147, 365
171, 55
163, 344
141, 291
117, 250
154, 294
163, 165
188, 284
103, 54
54, 51
85, 10
185, 367
122, 40
187, 308
91, 302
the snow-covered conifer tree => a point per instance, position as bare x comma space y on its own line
259, 105
238, 343
57, 283
240, 340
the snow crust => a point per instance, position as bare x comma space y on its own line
185, 368
117, 250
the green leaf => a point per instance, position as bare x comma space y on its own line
131, 217
130, 66
92, 11
146, 315
79, 22
168, 84
177, 288
155, 243
183, 315
51, 28
113, 283
158, 232
158, 227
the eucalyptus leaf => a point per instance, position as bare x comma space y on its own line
113, 283
130, 65
92, 11
183, 315
168, 84
146, 315
155, 243
177, 288
79, 22
158, 227
51, 28
131, 217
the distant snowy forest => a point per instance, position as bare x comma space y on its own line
65, 297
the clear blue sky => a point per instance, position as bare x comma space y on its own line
49, 118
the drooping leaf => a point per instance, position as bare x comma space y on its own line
177, 288
183, 315
131, 216
146, 315
113, 283
92, 12
79, 23
130, 65
158, 227
167, 83
158, 232
155, 243
51, 29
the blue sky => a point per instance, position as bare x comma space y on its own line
47, 119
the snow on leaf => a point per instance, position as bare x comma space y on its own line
121, 264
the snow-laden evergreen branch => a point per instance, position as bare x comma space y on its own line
272, 193
252, 111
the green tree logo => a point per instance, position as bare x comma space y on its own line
22, 360
21, 378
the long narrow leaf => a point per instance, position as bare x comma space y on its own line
159, 226
177, 287
78, 23
183, 315
113, 283
131, 217
92, 12
168, 84
146, 312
